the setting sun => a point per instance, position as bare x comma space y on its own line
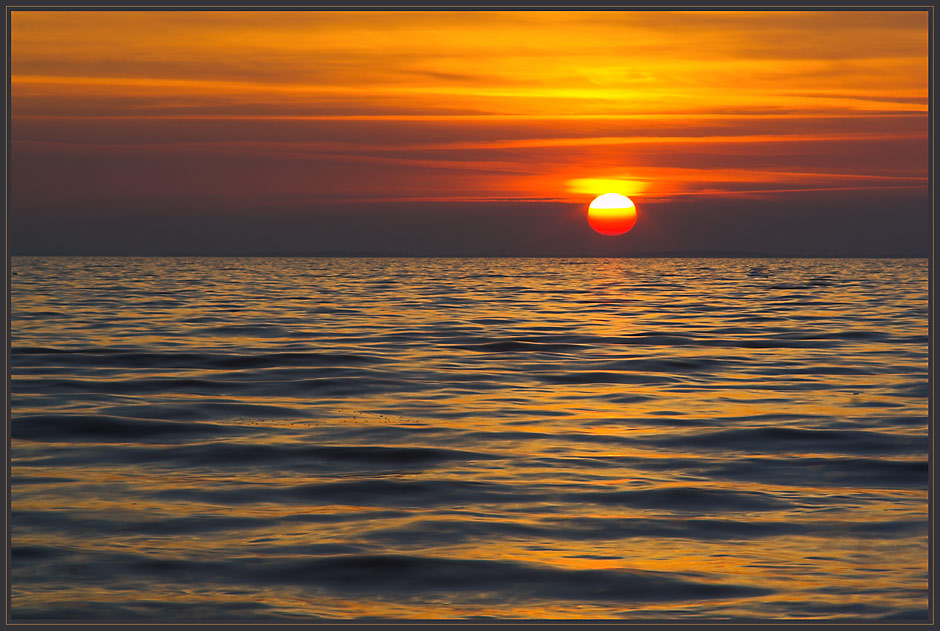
612, 214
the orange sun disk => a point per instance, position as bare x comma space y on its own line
612, 214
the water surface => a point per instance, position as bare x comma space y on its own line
296, 439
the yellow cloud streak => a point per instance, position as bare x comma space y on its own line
487, 99
469, 117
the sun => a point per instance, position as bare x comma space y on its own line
612, 214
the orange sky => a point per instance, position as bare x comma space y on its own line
483, 105
316, 109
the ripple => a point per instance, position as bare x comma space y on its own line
391, 574
794, 440
82, 428
685, 499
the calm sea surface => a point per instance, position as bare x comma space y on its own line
248, 438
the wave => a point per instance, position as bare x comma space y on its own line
347, 439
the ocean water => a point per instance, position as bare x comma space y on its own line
468, 439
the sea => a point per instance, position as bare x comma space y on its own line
469, 439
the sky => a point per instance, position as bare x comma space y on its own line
474, 133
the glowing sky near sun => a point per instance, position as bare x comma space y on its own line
329, 107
